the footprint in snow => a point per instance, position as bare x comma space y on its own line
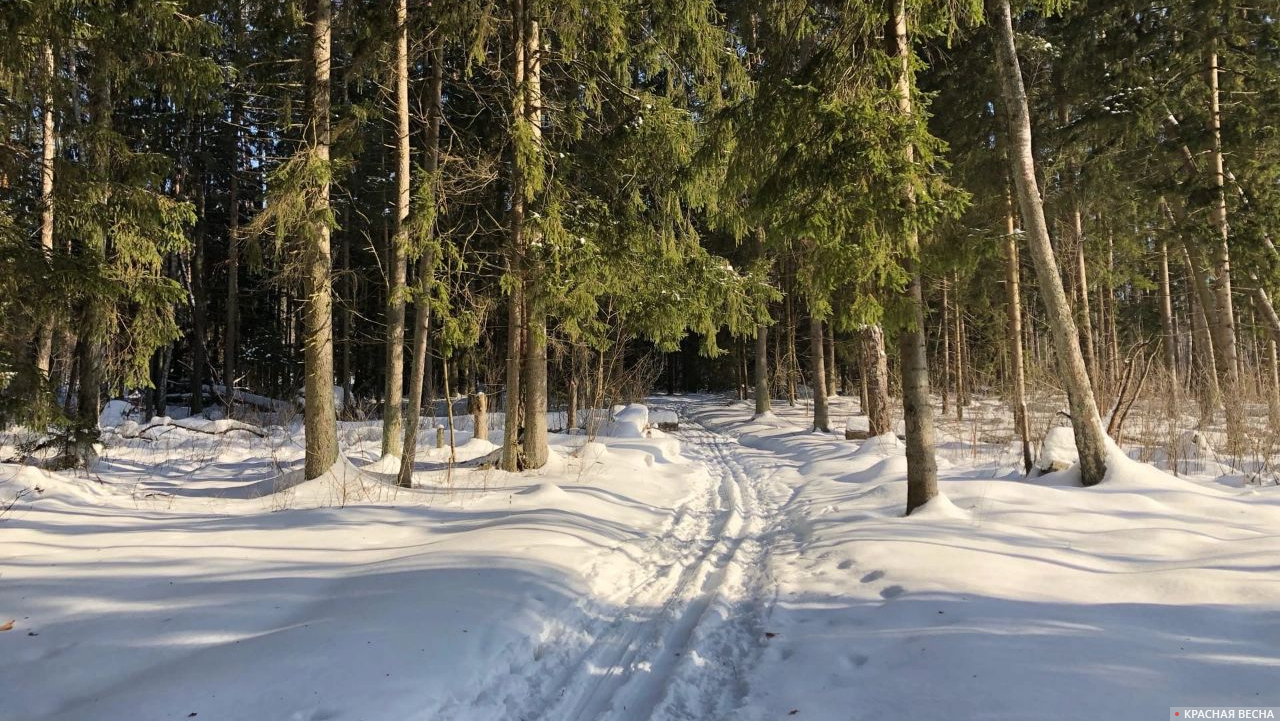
873, 577
892, 592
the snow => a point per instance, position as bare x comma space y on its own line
739, 568
630, 421
1058, 450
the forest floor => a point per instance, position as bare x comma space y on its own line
733, 569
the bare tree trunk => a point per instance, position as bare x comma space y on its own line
1224, 317
1166, 321
957, 329
231, 332
347, 300
534, 377
1013, 290
480, 416
1203, 358
817, 354
763, 401
1086, 424
199, 309
1273, 397
426, 264
875, 375
1086, 314
392, 422
946, 350
320, 418
48, 153
571, 413
832, 374
513, 435
1113, 335
789, 360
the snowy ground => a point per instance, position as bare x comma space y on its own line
733, 569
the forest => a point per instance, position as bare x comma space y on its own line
558, 205
422, 244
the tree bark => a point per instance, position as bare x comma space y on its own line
320, 418
231, 331
946, 350
917, 409
480, 417
817, 355
1169, 340
421, 307
833, 378
397, 259
1086, 424
199, 309
1086, 313
1203, 361
957, 328
1013, 295
534, 375
875, 374
1221, 284
48, 153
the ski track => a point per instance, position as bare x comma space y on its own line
678, 644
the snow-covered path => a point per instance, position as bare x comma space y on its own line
680, 641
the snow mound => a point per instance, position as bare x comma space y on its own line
630, 422
663, 416
1058, 451
592, 451
941, 508
768, 418
386, 464
882, 445
544, 493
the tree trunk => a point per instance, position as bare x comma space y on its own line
875, 374
917, 410
93, 320
48, 153
348, 299
1273, 396
571, 413
1086, 314
832, 374
230, 339
1013, 293
819, 371
1203, 361
319, 417
480, 417
397, 259
1169, 340
791, 363
1224, 315
426, 263
946, 350
958, 329
199, 309
1086, 424
534, 376
763, 400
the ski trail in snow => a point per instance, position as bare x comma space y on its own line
679, 644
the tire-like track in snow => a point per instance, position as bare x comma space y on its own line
683, 640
